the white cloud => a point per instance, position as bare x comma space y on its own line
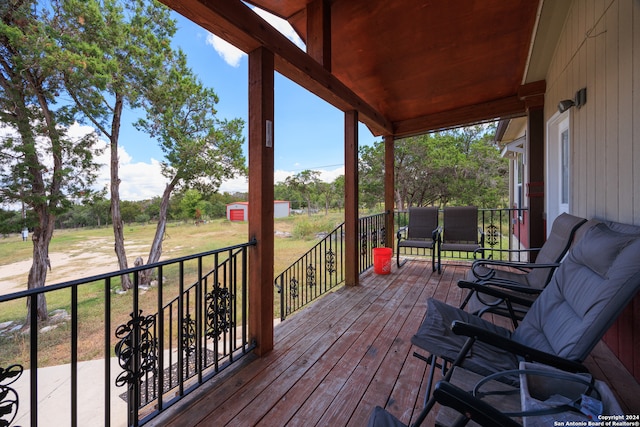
138, 180
232, 55
331, 175
326, 175
236, 185
282, 26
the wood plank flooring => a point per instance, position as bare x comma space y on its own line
338, 358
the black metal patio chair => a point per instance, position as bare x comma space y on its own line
599, 276
525, 279
460, 231
421, 232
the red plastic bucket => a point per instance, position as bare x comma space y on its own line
382, 260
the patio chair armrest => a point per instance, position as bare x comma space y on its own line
402, 232
473, 408
529, 354
489, 263
435, 234
516, 250
500, 289
514, 264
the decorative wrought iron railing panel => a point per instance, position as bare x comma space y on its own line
9, 399
500, 227
168, 337
321, 269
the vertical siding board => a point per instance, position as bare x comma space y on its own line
625, 111
611, 165
635, 72
590, 115
600, 106
580, 81
636, 113
605, 137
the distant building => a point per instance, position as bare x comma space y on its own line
239, 211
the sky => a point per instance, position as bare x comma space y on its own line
308, 132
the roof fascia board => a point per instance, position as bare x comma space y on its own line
550, 20
503, 108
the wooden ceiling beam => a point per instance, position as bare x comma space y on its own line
236, 23
319, 32
508, 107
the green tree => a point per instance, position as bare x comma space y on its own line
189, 204
98, 206
117, 50
200, 149
338, 185
129, 211
42, 164
370, 174
305, 183
10, 222
460, 166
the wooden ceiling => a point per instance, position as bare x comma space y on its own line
407, 66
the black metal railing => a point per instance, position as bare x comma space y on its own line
373, 234
168, 336
499, 227
321, 269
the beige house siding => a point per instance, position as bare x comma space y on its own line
599, 48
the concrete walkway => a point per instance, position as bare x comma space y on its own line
54, 396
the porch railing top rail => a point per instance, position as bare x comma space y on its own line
116, 273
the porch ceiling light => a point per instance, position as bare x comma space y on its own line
565, 104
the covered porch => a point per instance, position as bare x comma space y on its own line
347, 352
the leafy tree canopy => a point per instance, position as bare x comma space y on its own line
461, 166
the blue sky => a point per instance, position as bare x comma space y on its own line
308, 134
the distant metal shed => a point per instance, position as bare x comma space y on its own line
239, 211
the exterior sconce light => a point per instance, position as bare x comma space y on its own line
579, 100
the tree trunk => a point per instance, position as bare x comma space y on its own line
156, 247
46, 220
116, 217
38, 273
399, 201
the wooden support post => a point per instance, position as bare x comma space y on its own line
535, 190
389, 188
351, 268
261, 80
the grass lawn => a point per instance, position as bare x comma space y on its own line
85, 252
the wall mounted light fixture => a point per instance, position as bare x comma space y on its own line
579, 100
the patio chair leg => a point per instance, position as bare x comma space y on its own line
400, 264
466, 300
432, 371
424, 412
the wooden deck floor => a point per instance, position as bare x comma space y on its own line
337, 359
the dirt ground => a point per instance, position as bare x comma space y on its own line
86, 259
